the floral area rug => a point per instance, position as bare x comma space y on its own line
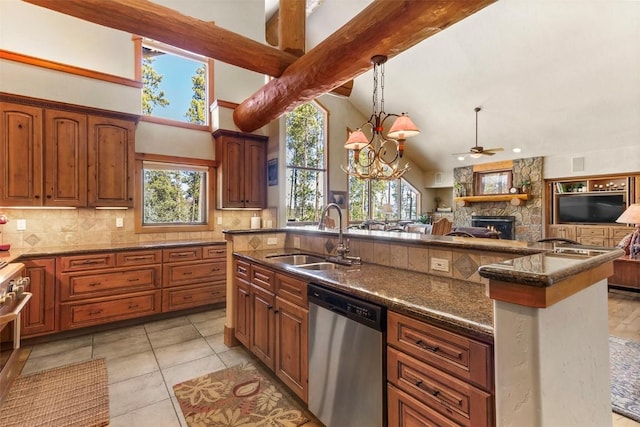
242, 395
625, 377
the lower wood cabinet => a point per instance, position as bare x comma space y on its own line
39, 315
271, 320
103, 310
437, 377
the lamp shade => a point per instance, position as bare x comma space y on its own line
357, 140
631, 215
403, 128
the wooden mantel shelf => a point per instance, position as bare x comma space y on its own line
514, 199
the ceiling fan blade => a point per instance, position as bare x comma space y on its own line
494, 150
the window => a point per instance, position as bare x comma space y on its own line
176, 85
174, 194
306, 164
367, 197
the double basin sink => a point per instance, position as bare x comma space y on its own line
304, 261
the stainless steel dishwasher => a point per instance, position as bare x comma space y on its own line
346, 359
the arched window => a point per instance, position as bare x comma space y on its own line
306, 162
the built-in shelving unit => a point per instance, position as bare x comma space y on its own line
514, 199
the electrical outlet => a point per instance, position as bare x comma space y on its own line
272, 241
21, 224
438, 264
219, 220
119, 222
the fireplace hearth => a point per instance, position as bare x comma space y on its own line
505, 225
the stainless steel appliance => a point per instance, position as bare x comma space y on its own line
13, 298
346, 359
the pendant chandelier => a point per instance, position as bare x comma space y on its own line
376, 155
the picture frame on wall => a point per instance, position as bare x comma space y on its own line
272, 172
339, 198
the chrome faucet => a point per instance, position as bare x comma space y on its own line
342, 249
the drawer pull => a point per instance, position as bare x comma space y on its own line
134, 279
94, 284
215, 269
187, 273
187, 297
220, 251
426, 346
181, 255
94, 312
140, 258
215, 292
91, 261
133, 306
421, 386
242, 270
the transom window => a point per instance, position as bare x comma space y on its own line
175, 84
306, 162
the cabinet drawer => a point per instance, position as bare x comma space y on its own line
263, 277
192, 296
218, 252
404, 410
617, 233
128, 259
87, 262
182, 254
463, 357
80, 314
456, 399
77, 286
584, 231
184, 274
292, 290
594, 241
242, 269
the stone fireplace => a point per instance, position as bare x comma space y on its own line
527, 216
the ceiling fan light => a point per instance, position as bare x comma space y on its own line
403, 128
476, 155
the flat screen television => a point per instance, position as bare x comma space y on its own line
590, 208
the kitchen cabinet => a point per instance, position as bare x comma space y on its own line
193, 276
111, 151
21, 148
434, 374
106, 287
626, 273
63, 155
242, 170
39, 316
271, 318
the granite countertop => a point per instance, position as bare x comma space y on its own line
17, 254
454, 304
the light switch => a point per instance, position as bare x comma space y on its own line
21, 224
119, 222
438, 264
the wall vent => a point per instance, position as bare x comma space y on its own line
577, 164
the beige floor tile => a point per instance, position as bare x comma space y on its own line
210, 327
178, 334
136, 393
217, 342
182, 352
159, 414
118, 334
123, 347
207, 315
166, 324
126, 367
61, 346
186, 371
620, 421
234, 356
76, 355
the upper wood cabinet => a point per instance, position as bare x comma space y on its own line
111, 162
21, 147
242, 170
56, 154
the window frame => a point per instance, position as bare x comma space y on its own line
371, 209
182, 162
138, 42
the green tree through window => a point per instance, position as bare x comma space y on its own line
306, 167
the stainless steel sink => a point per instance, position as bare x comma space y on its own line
297, 259
319, 266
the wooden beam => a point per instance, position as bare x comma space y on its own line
147, 19
385, 27
291, 37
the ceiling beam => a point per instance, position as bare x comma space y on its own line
147, 19
292, 36
385, 27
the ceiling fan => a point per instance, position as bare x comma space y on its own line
477, 150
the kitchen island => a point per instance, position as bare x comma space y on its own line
532, 385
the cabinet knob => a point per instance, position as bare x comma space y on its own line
48, 196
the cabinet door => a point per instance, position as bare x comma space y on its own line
21, 154
111, 162
263, 325
562, 231
232, 182
291, 351
65, 159
255, 174
244, 312
38, 317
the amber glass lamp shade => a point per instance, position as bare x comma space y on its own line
403, 128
